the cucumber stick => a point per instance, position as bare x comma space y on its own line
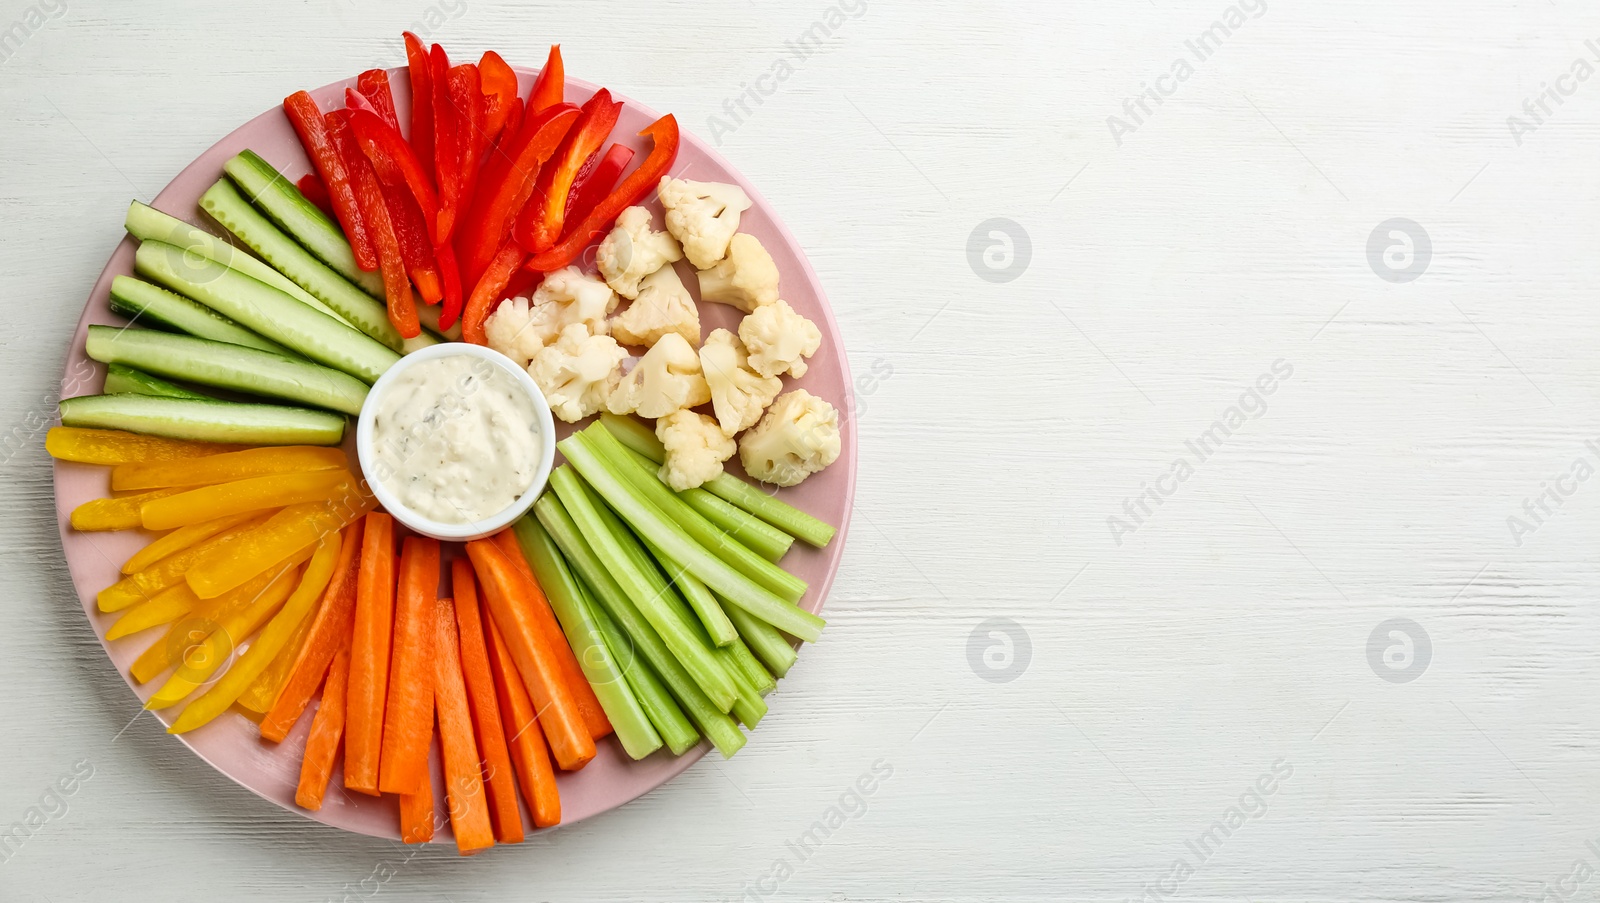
204, 420
266, 310
152, 305
149, 224
308, 274
227, 367
122, 380
285, 205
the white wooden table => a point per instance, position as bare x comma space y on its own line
1150, 673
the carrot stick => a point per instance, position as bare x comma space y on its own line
511, 605
416, 812
594, 716
469, 814
485, 710
369, 655
408, 721
327, 728
528, 750
329, 632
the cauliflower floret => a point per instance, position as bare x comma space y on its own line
632, 250
747, 278
703, 216
696, 447
578, 373
663, 306
570, 296
738, 394
779, 340
666, 379
798, 437
510, 331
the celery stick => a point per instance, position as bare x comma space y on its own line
718, 628
780, 582
720, 729
763, 538
785, 517
754, 672
765, 641
652, 695
686, 647
749, 707
638, 737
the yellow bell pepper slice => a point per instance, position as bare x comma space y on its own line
182, 538
197, 663
86, 446
226, 468
164, 607
263, 692
115, 514
270, 646
253, 494
139, 586
294, 529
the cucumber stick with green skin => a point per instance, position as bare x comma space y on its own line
285, 205
204, 420
146, 223
123, 380
266, 310
227, 367
153, 305
304, 271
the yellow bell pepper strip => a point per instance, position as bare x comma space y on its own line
89, 446
253, 494
263, 694
114, 514
291, 530
182, 538
138, 587
197, 662
164, 607
191, 630
226, 468
270, 646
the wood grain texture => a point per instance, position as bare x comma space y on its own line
1167, 674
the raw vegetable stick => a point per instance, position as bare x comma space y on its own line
225, 468
264, 690
567, 657
164, 607
408, 711
763, 538
268, 646
330, 632
193, 506
182, 538
718, 627
191, 631
290, 530
776, 652
196, 664
94, 446
469, 811
417, 809
479, 677
122, 513
327, 729
510, 602
529, 754
369, 655
653, 696
755, 673
171, 570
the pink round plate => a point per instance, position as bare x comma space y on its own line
231, 744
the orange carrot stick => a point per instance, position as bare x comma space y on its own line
511, 605
463, 777
327, 728
485, 710
329, 632
369, 655
416, 814
408, 720
528, 751
594, 717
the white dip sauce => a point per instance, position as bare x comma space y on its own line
456, 439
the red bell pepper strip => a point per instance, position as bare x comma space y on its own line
523, 282
550, 88
374, 212
373, 84
420, 74
311, 186
416, 247
499, 92
592, 188
313, 131
508, 133
394, 160
450, 273
501, 194
446, 141
491, 288
640, 182
466, 96
539, 224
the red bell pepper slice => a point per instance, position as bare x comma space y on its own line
502, 194
373, 84
550, 88
393, 158
313, 131
416, 248
640, 182
311, 186
539, 224
420, 74
593, 188
446, 141
450, 274
499, 92
507, 136
490, 288
466, 96
375, 212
